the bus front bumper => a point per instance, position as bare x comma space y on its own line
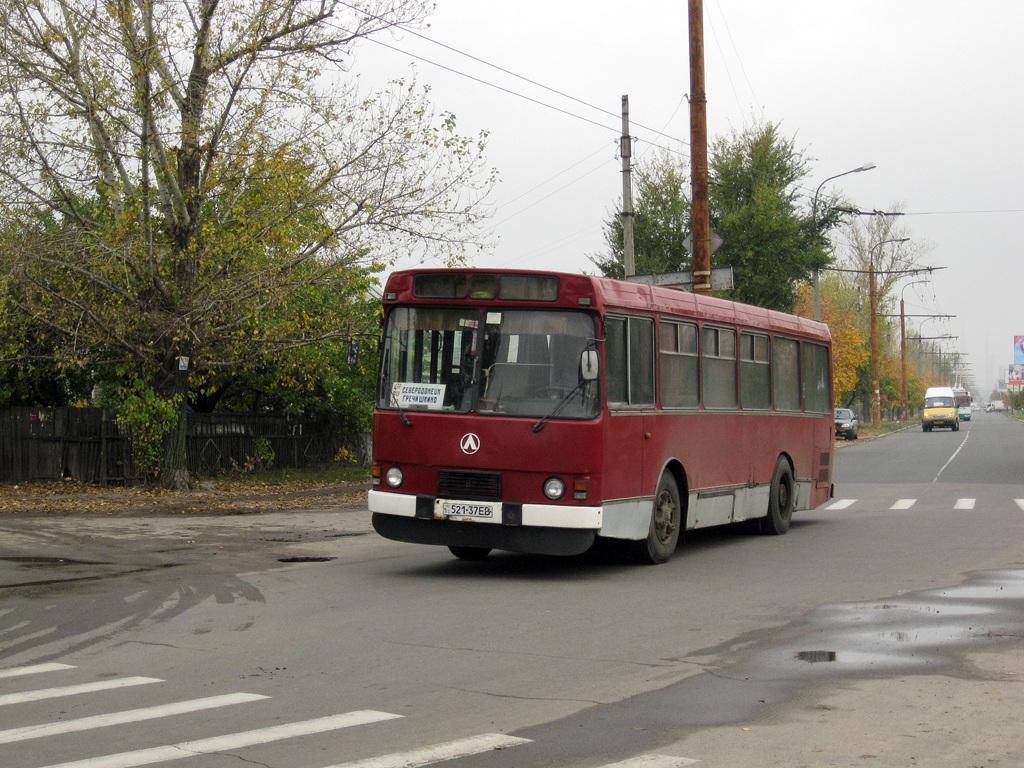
548, 529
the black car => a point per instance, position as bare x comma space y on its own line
847, 425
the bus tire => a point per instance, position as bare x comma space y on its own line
666, 522
780, 501
470, 553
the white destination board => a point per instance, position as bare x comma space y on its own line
410, 395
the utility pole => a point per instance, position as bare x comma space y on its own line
626, 152
700, 224
876, 395
904, 402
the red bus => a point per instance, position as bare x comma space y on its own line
539, 411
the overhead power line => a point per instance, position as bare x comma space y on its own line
453, 49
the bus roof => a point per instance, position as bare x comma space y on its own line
606, 294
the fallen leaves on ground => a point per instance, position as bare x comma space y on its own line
231, 496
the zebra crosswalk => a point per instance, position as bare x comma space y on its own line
961, 505
185, 751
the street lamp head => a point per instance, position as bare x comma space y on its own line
865, 167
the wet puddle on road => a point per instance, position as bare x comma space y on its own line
914, 631
919, 633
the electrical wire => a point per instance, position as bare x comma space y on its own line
551, 178
553, 192
501, 69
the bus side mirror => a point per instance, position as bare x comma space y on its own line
588, 365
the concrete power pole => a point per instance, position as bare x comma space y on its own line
700, 225
626, 152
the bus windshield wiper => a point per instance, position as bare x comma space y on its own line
562, 403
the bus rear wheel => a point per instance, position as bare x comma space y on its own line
780, 501
470, 553
666, 521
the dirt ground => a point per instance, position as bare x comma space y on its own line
231, 496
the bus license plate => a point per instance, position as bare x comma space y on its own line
466, 510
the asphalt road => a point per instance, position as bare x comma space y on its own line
884, 629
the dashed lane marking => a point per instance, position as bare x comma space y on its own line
1020, 503
964, 504
72, 690
841, 504
904, 504
35, 669
449, 750
125, 716
230, 741
652, 761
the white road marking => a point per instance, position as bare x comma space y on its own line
904, 504
449, 750
964, 504
230, 741
1020, 503
841, 504
960, 448
652, 761
34, 669
125, 716
72, 690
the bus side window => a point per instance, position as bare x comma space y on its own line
679, 369
755, 375
814, 362
718, 352
786, 374
629, 351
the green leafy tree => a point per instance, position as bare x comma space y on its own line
181, 179
770, 240
661, 221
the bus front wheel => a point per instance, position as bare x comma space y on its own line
470, 553
780, 501
666, 521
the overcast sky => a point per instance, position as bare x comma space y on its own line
928, 90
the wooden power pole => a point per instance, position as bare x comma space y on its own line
700, 224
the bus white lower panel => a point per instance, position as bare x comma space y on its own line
400, 504
540, 515
627, 518
561, 516
751, 502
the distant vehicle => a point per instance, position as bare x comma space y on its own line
964, 411
988, 407
997, 405
939, 409
847, 424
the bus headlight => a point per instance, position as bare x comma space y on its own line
394, 477
554, 488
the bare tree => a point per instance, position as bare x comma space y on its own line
177, 172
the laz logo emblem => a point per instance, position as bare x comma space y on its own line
469, 443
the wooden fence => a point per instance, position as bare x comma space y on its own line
88, 445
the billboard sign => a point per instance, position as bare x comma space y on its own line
1018, 350
1015, 376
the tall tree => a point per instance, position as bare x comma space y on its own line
179, 173
661, 221
841, 307
756, 207
769, 241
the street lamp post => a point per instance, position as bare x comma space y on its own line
816, 284
876, 395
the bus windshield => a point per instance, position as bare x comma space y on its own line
510, 362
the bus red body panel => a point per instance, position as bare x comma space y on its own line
533, 411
